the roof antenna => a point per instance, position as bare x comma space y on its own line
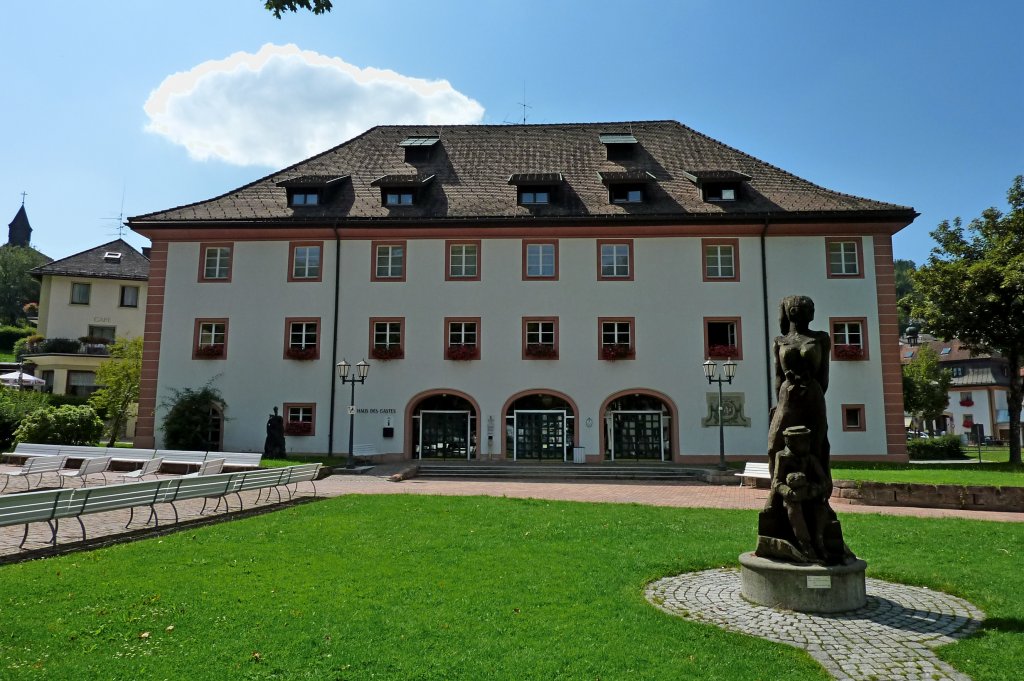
119, 230
524, 104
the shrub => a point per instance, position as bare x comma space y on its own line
26, 345
64, 346
65, 425
9, 335
936, 448
15, 405
188, 420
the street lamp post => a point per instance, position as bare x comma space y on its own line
710, 369
362, 369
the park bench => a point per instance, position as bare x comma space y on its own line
97, 466
755, 471
149, 467
36, 465
234, 460
50, 506
361, 451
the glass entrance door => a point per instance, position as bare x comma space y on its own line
539, 434
445, 435
637, 435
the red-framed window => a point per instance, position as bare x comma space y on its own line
720, 259
305, 261
387, 338
853, 417
388, 262
540, 337
723, 338
540, 260
844, 258
849, 338
299, 419
210, 338
302, 338
462, 338
615, 260
216, 262
462, 260
616, 338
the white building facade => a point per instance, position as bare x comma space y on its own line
521, 292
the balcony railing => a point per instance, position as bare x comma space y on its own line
66, 346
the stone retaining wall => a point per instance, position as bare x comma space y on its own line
969, 497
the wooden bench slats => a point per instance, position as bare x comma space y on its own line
52, 505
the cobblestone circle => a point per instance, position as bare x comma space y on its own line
891, 638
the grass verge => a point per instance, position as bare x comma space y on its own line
394, 587
998, 475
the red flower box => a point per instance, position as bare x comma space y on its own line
722, 351
387, 353
849, 352
210, 351
463, 353
616, 351
301, 353
966, 403
298, 428
968, 423
541, 351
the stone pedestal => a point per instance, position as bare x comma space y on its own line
803, 588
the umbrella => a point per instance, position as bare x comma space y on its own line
20, 378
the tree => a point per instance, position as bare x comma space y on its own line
972, 289
190, 418
904, 270
314, 6
119, 377
926, 386
17, 286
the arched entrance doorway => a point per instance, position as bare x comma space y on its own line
540, 426
444, 426
637, 426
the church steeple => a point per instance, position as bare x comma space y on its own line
19, 231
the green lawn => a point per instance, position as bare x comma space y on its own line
999, 475
6, 357
396, 587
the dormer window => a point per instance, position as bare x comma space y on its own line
398, 198
311, 190
536, 189
626, 187
625, 193
718, 185
419, 147
720, 192
619, 145
401, 190
534, 197
303, 198
112, 257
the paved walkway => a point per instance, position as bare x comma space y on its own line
890, 638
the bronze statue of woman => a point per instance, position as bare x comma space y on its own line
801, 379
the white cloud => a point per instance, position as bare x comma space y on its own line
284, 104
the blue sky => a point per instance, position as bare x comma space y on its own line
917, 102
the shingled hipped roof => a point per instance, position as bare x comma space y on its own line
91, 263
472, 164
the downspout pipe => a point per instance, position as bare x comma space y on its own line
334, 337
769, 362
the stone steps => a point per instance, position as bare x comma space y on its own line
556, 471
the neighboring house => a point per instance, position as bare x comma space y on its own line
86, 301
977, 392
521, 290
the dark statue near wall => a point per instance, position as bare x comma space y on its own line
274, 447
797, 524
